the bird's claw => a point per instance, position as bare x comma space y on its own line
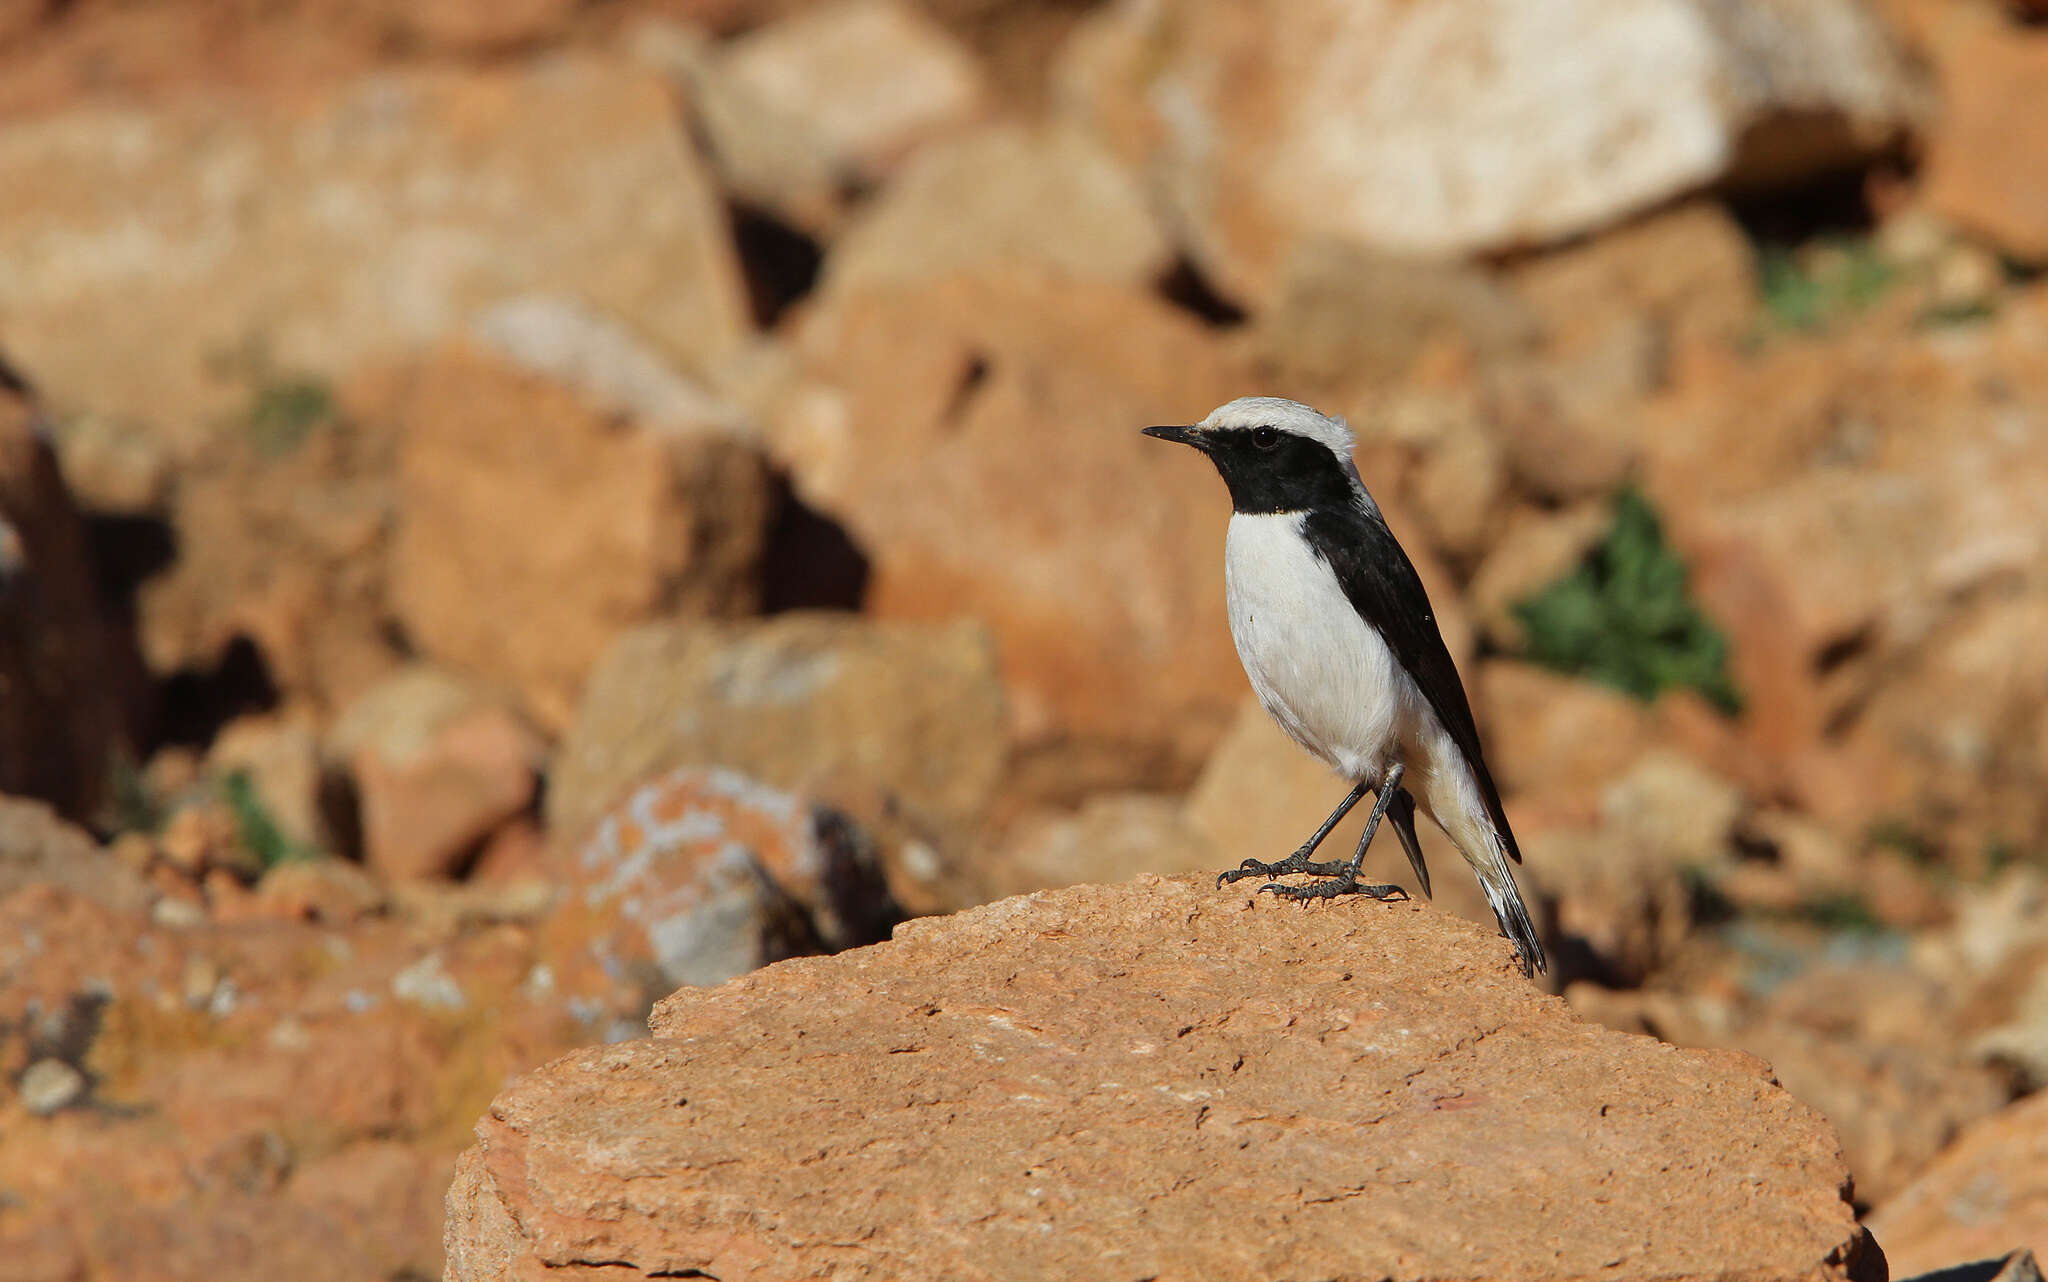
1342, 885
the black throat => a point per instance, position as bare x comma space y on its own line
1295, 475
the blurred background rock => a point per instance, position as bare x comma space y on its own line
508, 508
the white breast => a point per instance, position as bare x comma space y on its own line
1318, 669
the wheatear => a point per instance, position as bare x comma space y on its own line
1338, 638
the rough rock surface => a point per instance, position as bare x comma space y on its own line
900, 724
1151, 1080
1445, 128
992, 466
140, 244
1986, 1194
535, 527
1987, 168
700, 875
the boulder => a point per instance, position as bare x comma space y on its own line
988, 463
437, 764
1986, 1194
1987, 154
377, 218
70, 684
867, 80
900, 724
1450, 128
1110, 837
534, 525
704, 874
38, 847
1157, 1079
1006, 193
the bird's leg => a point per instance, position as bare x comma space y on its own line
1344, 880
1298, 861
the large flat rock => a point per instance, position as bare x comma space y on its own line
1153, 1080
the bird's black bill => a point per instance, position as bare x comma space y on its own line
1184, 435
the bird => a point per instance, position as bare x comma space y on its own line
1341, 646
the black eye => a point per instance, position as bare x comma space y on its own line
1265, 437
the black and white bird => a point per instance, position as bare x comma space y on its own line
1342, 648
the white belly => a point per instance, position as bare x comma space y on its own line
1318, 669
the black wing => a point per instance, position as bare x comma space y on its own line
1383, 587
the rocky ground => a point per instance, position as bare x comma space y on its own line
508, 511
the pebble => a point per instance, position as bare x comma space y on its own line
50, 1085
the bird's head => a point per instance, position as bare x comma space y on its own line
1275, 455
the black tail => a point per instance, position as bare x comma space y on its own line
1401, 812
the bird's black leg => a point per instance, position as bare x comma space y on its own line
1344, 880
1298, 861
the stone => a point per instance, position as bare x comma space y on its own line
1111, 838
142, 242
1984, 159
280, 756
1005, 193
663, 519
1346, 314
1556, 735
701, 875
70, 685
899, 724
39, 847
1344, 123
260, 1097
1675, 808
868, 79
1985, 1193
437, 765
992, 467
282, 536
50, 1084
1145, 1056
1534, 550
334, 891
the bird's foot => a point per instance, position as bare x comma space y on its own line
1294, 863
1343, 882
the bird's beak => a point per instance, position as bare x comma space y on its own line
1185, 435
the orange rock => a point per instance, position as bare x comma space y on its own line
662, 519
1186, 1082
1987, 165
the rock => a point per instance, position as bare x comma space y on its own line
1245, 1062
260, 1096
1675, 808
1007, 193
37, 847
157, 238
900, 724
334, 891
987, 467
1111, 838
1348, 315
50, 1084
437, 766
660, 520
282, 535
867, 79
70, 685
1984, 165
1344, 123
1555, 735
113, 466
1535, 550
1981, 1196
702, 875
280, 756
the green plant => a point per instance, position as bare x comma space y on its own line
255, 827
1811, 287
1623, 617
284, 410
1846, 912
